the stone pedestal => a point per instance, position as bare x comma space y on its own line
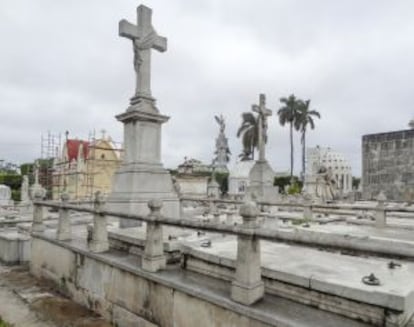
380, 214
261, 181
141, 177
99, 241
64, 230
154, 258
248, 287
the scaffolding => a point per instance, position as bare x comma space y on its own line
82, 175
50, 145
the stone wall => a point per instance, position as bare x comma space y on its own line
388, 165
127, 298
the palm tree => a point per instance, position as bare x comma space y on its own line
288, 114
249, 132
305, 117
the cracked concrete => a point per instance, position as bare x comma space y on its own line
28, 302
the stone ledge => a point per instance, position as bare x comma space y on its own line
272, 310
315, 277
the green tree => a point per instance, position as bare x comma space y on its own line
288, 114
305, 117
249, 133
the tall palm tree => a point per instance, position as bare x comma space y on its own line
249, 133
288, 115
304, 119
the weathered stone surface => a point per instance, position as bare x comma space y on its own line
327, 280
388, 165
261, 181
5, 195
154, 258
125, 318
101, 281
141, 176
64, 231
14, 247
248, 287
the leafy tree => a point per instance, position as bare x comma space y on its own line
288, 114
305, 118
222, 179
284, 181
13, 181
249, 133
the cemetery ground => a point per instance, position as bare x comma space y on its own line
29, 302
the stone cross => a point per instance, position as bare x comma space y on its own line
263, 114
144, 38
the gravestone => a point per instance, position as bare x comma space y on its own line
141, 176
24, 191
36, 187
262, 175
5, 195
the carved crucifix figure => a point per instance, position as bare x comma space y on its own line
144, 38
263, 114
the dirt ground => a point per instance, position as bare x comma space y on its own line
28, 302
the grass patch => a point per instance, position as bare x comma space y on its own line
4, 324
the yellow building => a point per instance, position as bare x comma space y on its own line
85, 167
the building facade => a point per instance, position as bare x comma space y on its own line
388, 165
320, 159
85, 167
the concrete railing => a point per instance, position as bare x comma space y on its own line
309, 208
247, 286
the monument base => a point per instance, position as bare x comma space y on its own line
261, 181
141, 177
135, 184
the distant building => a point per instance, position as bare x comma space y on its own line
85, 167
190, 166
388, 165
319, 159
192, 177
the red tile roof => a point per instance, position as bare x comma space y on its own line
72, 148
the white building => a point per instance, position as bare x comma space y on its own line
334, 162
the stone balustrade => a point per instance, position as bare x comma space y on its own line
37, 225
247, 286
64, 231
380, 214
99, 241
309, 208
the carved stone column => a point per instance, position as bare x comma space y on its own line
154, 258
64, 230
99, 242
248, 287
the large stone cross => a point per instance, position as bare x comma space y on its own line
263, 114
144, 38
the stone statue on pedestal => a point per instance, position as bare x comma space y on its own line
141, 176
326, 188
222, 148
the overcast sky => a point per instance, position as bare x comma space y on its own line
63, 67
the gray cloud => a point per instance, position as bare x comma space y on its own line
63, 67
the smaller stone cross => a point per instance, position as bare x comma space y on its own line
263, 114
144, 38
103, 132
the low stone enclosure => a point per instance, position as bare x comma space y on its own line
228, 272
